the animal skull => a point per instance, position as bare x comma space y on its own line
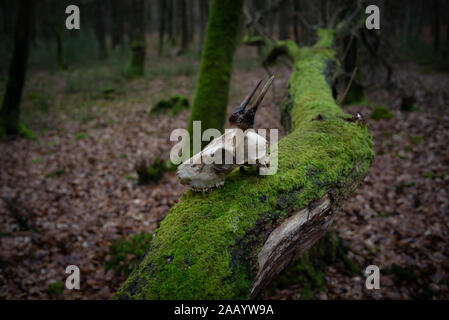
238, 146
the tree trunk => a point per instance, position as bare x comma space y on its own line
418, 20
148, 17
190, 22
57, 25
118, 23
184, 26
203, 12
170, 21
407, 18
136, 65
100, 30
230, 243
162, 12
211, 96
10, 111
283, 21
436, 26
296, 20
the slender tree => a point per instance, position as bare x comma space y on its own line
283, 21
118, 23
10, 111
136, 63
295, 20
191, 22
203, 13
183, 17
100, 30
57, 25
170, 21
436, 26
211, 96
162, 15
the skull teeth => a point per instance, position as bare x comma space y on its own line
209, 188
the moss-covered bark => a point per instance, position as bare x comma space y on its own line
211, 96
208, 245
10, 109
136, 65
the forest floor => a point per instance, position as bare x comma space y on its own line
68, 194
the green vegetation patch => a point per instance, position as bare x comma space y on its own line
172, 106
81, 135
55, 287
40, 100
381, 113
125, 254
147, 174
55, 173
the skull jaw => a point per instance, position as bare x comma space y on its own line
200, 179
208, 188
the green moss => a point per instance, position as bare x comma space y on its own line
351, 265
193, 254
36, 161
326, 38
26, 132
211, 95
125, 254
55, 173
173, 105
55, 287
16, 128
417, 139
253, 40
154, 172
402, 275
381, 113
148, 174
136, 65
39, 100
81, 135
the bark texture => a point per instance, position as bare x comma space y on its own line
230, 243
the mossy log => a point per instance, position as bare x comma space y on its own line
230, 243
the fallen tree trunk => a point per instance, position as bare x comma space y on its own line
231, 242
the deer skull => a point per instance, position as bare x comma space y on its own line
238, 146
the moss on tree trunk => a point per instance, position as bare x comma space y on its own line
10, 110
211, 96
136, 65
230, 243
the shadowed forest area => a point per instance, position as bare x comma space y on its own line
85, 171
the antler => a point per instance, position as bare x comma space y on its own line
245, 120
